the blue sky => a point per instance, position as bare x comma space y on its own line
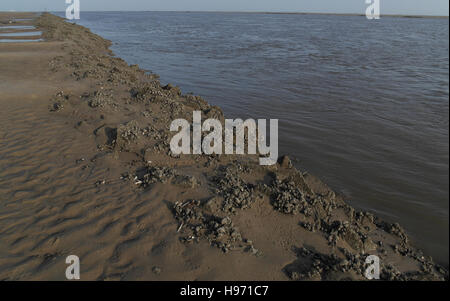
410, 7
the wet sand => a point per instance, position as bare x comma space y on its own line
85, 169
18, 26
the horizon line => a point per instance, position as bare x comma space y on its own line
251, 12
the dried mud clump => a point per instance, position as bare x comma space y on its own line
186, 181
288, 198
320, 214
284, 162
101, 98
145, 92
394, 229
127, 134
174, 91
55, 63
236, 192
160, 142
154, 174
347, 231
156, 270
214, 112
313, 265
175, 109
197, 102
59, 100
196, 224
351, 233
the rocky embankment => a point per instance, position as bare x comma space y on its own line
229, 202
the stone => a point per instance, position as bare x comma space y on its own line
285, 162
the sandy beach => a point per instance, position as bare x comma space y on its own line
86, 169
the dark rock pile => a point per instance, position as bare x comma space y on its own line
154, 174
127, 134
288, 198
196, 223
313, 265
236, 192
58, 101
101, 98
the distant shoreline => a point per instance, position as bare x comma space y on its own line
262, 13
